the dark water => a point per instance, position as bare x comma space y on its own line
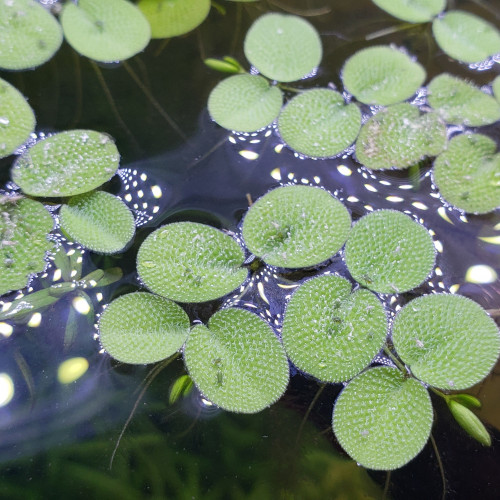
56, 440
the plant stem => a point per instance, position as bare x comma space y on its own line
395, 360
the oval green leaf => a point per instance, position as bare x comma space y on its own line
469, 422
413, 11
17, 119
448, 341
29, 34
399, 136
170, 18
141, 328
467, 174
331, 333
237, 362
283, 47
459, 102
382, 75
388, 252
466, 37
24, 226
191, 262
383, 419
98, 221
296, 226
66, 164
244, 103
318, 123
105, 31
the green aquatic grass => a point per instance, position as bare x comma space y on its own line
105, 31
383, 419
448, 341
413, 11
17, 119
244, 103
296, 226
319, 123
467, 174
140, 328
190, 262
236, 361
388, 252
399, 136
382, 75
283, 47
66, 164
29, 34
99, 221
331, 333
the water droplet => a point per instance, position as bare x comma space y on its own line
149, 263
4, 120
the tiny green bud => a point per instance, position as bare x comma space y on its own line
466, 400
180, 388
469, 422
222, 65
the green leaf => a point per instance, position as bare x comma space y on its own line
382, 75
318, 123
283, 47
467, 174
466, 37
244, 103
383, 419
331, 333
170, 18
237, 362
448, 341
223, 65
66, 164
17, 119
466, 400
21, 308
29, 34
399, 136
469, 422
24, 226
459, 102
413, 11
191, 262
296, 226
110, 275
140, 328
105, 31
388, 252
99, 221
180, 388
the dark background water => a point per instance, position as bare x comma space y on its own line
56, 440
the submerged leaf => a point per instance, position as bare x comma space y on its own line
244, 103
383, 419
466, 37
283, 47
237, 362
296, 226
448, 341
413, 11
382, 75
318, 123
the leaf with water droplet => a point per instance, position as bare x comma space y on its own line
413, 11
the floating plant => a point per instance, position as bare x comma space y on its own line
296, 226
467, 174
382, 75
466, 37
141, 328
399, 136
105, 31
170, 18
414, 11
388, 252
17, 119
433, 335
331, 333
283, 47
29, 34
237, 361
99, 221
65, 164
318, 123
190, 262
459, 102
